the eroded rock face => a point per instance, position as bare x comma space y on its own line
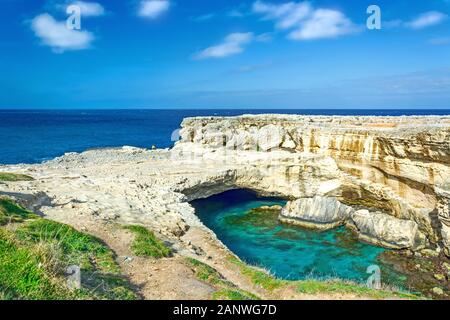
386, 230
318, 213
270, 137
399, 166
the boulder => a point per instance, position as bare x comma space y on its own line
317, 213
387, 231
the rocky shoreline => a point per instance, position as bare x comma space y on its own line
387, 178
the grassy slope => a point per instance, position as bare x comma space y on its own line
333, 287
6, 176
146, 244
11, 212
35, 254
22, 276
225, 289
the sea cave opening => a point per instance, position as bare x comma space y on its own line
248, 225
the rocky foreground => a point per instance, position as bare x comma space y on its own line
386, 178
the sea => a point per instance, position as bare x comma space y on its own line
33, 136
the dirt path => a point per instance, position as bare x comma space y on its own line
168, 278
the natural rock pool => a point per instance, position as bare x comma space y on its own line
289, 252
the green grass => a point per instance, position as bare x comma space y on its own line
77, 248
204, 272
316, 286
12, 212
23, 276
226, 290
146, 244
5, 176
35, 253
257, 276
230, 294
99, 269
347, 287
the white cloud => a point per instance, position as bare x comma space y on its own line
264, 37
153, 8
304, 21
89, 9
427, 19
56, 35
323, 23
231, 45
287, 15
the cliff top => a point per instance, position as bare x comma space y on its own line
338, 122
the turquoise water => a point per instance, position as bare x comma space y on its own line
288, 252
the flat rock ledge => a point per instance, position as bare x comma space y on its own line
387, 231
321, 213
324, 213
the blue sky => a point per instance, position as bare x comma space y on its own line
224, 54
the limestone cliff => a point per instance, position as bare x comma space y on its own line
396, 165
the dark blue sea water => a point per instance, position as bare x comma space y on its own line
34, 136
289, 252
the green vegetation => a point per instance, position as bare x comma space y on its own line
225, 289
316, 286
258, 276
204, 272
348, 287
77, 248
35, 253
236, 294
22, 275
11, 212
146, 244
5, 176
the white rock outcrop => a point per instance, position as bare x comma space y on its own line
387, 231
270, 137
318, 213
